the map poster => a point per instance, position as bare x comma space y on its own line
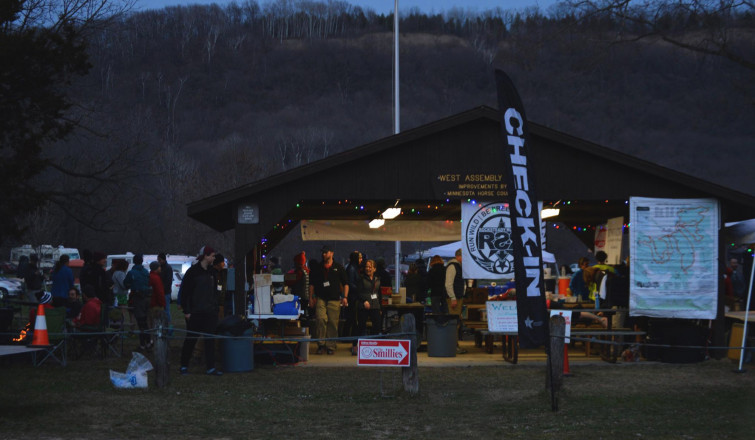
673, 250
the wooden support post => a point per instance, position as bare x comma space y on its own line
555, 376
162, 376
411, 373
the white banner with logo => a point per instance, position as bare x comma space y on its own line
674, 257
487, 248
614, 233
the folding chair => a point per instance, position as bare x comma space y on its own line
111, 339
98, 339
57, 334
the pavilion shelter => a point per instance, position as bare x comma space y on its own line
429, 171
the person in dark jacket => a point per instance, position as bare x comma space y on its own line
94, 274
199, 303
166, 276
33, 277
137, 279
368, 294
436, 280
350, 311
328, 291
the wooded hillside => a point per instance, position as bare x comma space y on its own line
201, 99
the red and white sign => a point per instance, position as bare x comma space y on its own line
384, 352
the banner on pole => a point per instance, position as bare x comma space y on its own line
525, 217
487, 248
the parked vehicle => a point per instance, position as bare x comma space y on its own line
181, 263
175, 285
47, 254
8, 268
11, 288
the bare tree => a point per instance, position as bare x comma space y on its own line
719, 28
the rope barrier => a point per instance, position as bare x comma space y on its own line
153, 331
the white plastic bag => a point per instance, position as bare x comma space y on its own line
135, 375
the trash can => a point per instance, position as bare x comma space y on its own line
238, 353
441, 335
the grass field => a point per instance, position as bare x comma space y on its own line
603, 401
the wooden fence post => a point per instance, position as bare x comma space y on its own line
162, 376
410, 373
556, 358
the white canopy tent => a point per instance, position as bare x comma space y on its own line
743, 233
449, 250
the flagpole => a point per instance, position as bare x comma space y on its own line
747, 314
396, 124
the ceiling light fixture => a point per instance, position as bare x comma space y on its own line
549, 212
376, 223
391, 213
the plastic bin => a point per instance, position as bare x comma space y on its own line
237, 353
441, 335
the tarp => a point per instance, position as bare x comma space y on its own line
740, 232
392, 230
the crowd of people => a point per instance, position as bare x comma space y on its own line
354, 294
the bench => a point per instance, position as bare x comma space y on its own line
608, 352
509, 343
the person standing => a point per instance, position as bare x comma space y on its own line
436, 279
578, 285
415, 285
298, 280
120, 291
62, 281
157, 300
738, 288
455, 287
221, 280
350, 312
94, 274
33, 278
328, 291
199, 302
368, 297
166, 277
137, 279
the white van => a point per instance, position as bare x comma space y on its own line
128, 256
47, 254
181, 263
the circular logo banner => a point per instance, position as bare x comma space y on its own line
487, 239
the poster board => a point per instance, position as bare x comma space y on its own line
567, 317
673, 257
502, 316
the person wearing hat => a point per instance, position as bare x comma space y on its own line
328, 291
137, 279
44, 298
199, 303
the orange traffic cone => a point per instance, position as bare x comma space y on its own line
566, 360
40, 329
